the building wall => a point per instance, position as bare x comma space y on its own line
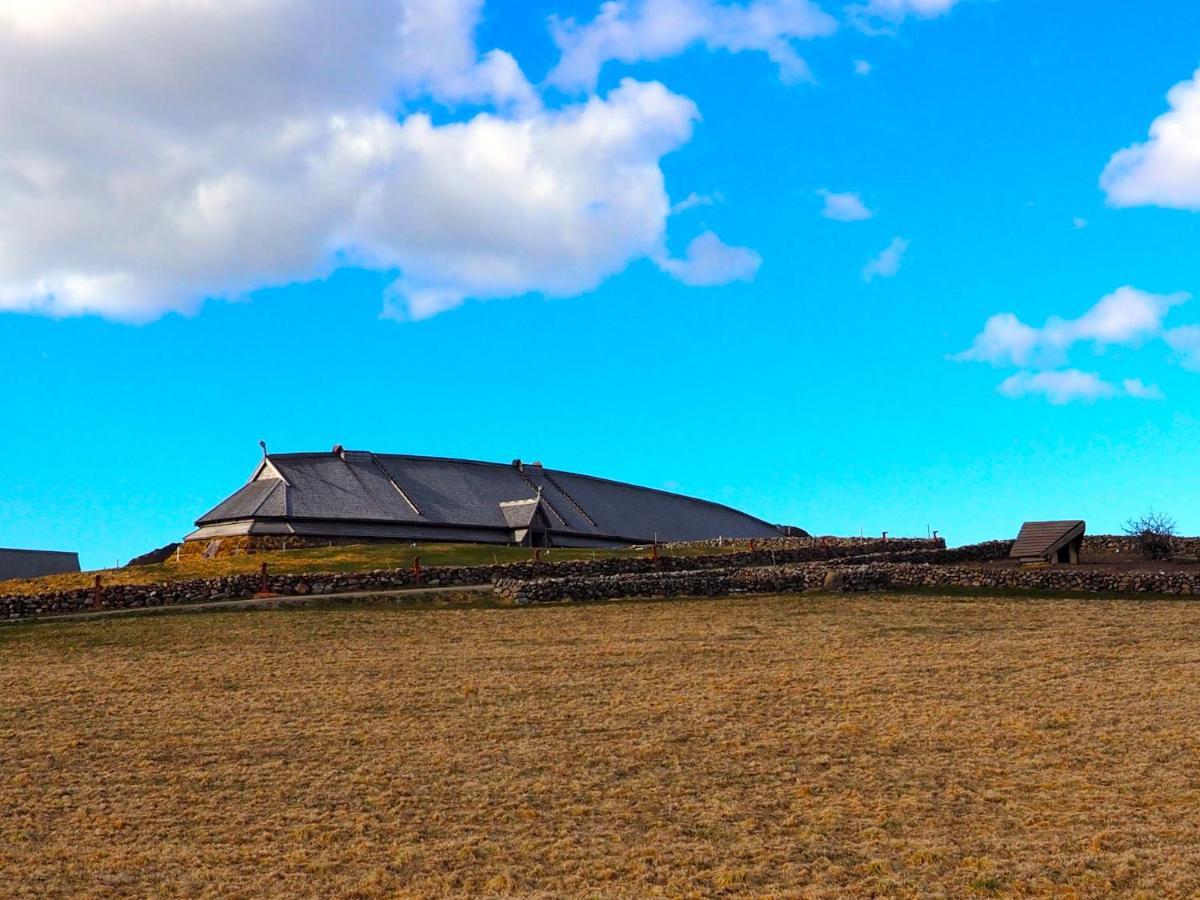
36, 563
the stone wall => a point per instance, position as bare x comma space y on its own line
971, 553
848, 544
1061, 578
703, 583
239, 586
786, 569
1123, 544
852, 578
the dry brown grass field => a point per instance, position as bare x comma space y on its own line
779, 746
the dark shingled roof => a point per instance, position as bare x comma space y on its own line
420, 497
1041, 540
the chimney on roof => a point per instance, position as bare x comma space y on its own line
537, 463
339, 450
516, 464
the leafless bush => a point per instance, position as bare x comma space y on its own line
1156, 532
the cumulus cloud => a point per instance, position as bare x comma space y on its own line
1127, 317
1164, 170
709, 262
887, 263
154, 153
635, 30
846, 207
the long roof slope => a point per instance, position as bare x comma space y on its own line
419, 490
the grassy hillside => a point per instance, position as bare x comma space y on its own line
322, 559
750, 747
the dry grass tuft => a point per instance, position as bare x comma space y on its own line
786, 746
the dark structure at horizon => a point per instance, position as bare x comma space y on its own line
36, 563
348, 495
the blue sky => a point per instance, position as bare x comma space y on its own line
762, 370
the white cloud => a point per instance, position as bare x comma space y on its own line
635, 30
1058, 387
710, 262
862, 67
1004, 339
1185, 341
1165, 170
1135, 387
1063, 386
1126, 317
896, 10
844, 207
694, 200
887, 263
1079, 222
154, 153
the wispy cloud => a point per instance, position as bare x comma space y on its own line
862, 67
709, 262
630, 31
887, 263
847, 207
693, 200
1135, 387
1062, 386
1126, 317
1058, 387
876, 15
1185, 341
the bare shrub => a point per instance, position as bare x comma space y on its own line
1156, 532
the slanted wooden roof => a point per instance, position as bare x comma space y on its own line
1041, 540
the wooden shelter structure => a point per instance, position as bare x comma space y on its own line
1049, 542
